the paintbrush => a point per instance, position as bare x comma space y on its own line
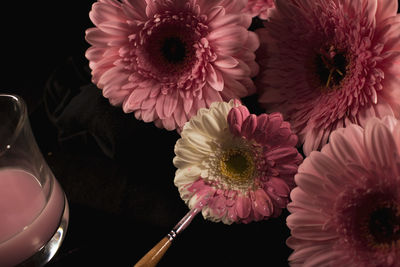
154, 255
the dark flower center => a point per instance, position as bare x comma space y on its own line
173, 49
331, 68
384, 225
169, 49
368, 221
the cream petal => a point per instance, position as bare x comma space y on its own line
186, 176
211, 126
186, 151
200, 141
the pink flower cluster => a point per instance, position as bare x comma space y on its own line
328, 74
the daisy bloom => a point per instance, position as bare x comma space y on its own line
260, 8
346, 208
327, 64
242, 163
165, 59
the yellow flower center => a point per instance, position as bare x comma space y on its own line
237, 166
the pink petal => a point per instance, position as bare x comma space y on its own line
243, 206
343, 147
151, 8
379, 143
114, 28
328, 257
281, 153
221, 22
160, 106
311, 141
260, 133
149, 115
232, 214
215, 13
210, 95
170, 103
105, 12
385, 9
396, 136
249, 125
305, 219
262, 203
326, 167
241, 71
252, 42
135, 99
235, 119
217, 205
169, 123
382, 108
279, 187
95, 36
224, 61
214, 78
233, 88
135, 9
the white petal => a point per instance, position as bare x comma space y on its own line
186, 176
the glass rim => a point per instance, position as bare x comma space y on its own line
22, 113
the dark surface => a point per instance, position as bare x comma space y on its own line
117, 172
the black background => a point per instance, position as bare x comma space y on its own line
123, 203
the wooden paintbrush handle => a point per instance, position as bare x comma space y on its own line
155, 254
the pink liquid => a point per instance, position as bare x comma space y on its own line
26, 221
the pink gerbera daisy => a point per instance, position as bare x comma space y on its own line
346, 208
165, 59
330, 63
260, 8
242, 163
